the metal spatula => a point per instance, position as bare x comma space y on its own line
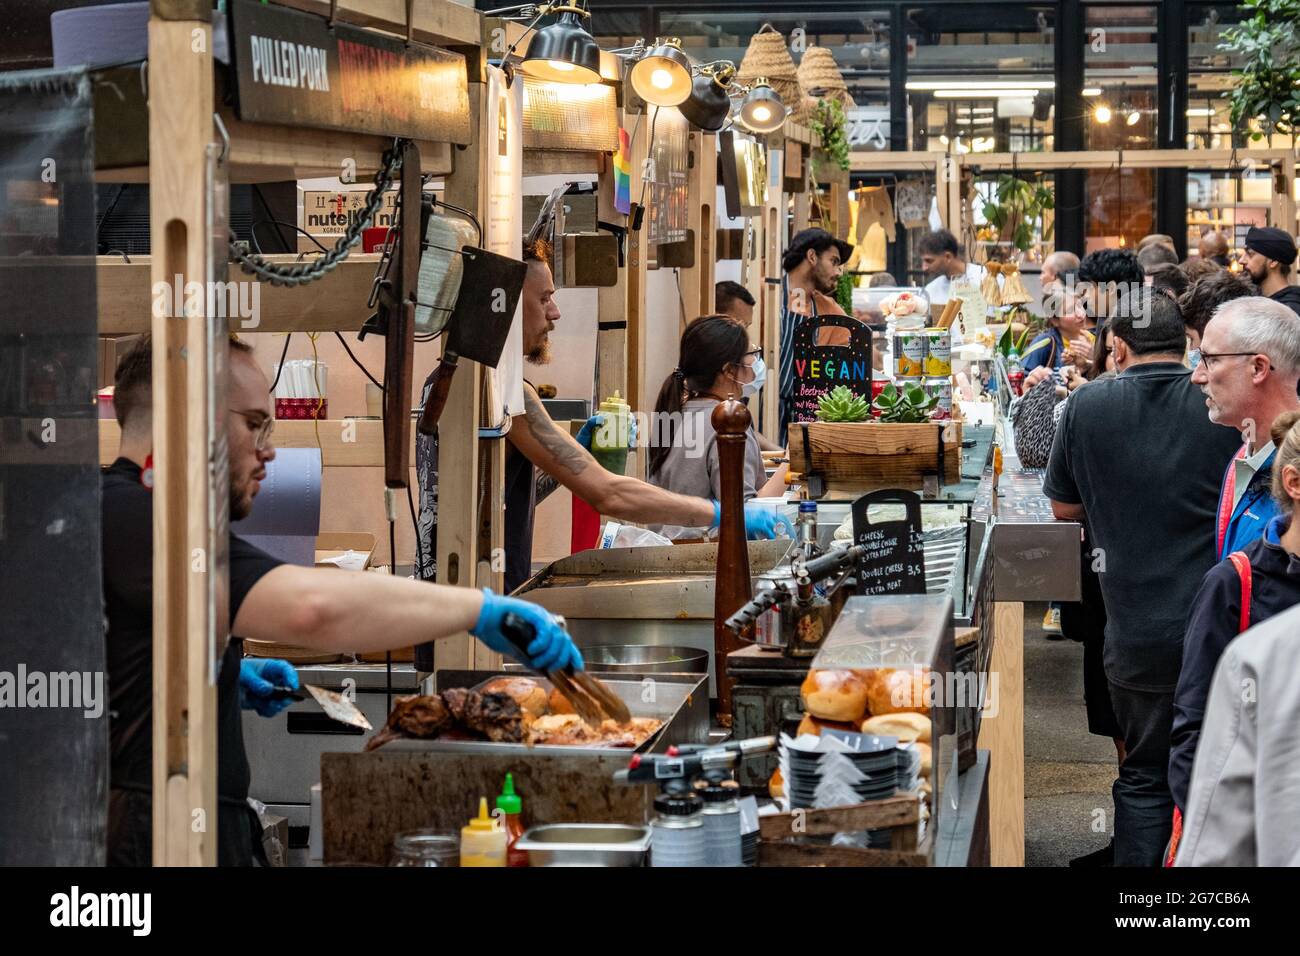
335, 705
591, 700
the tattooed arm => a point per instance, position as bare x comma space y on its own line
557, 454
545, 485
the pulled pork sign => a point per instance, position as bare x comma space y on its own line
292, 68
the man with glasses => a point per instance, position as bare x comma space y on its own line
1267, 256
1137, 460
318, 608
1248, 366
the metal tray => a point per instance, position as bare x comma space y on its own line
585, 844
681, 701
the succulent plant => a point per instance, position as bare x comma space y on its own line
909, 405
841, 404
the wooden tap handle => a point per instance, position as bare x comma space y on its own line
732, 591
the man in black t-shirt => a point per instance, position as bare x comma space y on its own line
1137, 459
1268, 255
270, 601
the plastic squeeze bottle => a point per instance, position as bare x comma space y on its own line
609, 443
511, 806
483, 840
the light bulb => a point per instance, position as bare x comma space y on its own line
559, 65
1102, 113
1132, 117
661, 79
761, 114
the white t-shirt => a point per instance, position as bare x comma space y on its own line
939, 290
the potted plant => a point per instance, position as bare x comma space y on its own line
1018, 210
1267, 85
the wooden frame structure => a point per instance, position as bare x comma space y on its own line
181, 116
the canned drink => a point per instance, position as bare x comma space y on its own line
942, 387
767, 627
938, 352
877, 386
909, 354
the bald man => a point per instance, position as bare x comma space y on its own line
1057, 265
1213, 247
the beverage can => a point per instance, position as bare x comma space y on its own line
938, 352
942, 387
909, 354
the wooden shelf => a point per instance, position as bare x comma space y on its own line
365, 450
336, 303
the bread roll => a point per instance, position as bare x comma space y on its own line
905, 726
924, 750
835, 695
525, 692
558, 703
776, 785
892, 691
815, 726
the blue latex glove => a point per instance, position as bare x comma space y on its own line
761, 520
259, 678
589, 427
551, 648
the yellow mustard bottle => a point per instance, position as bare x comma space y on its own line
483, 840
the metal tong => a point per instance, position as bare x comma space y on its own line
591, 700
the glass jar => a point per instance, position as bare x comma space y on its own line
426, 848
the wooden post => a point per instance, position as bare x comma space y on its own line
639, 396
730, 420
458, 445
1004, 737
184, 678
769, 298
702, 183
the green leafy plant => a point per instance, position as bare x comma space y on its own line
1019, 208
1267, 85
844, 293
842, 404
909, 405
1005, 343
830, 123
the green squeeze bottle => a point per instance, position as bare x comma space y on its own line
609, 443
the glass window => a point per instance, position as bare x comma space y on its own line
1228, 203
617, 29
1120, 96
981, 78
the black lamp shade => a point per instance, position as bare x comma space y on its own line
564, 52
708, 105
762, 110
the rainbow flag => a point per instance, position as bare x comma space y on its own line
623, 174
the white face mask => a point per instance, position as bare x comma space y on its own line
760, 376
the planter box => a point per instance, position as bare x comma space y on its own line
876, 454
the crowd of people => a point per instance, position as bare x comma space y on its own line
1163, 405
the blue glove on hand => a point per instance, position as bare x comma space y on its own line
761, 520
551, 647
258, 679
589, 427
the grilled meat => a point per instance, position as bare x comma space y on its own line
419, 717
454, 698
496, 716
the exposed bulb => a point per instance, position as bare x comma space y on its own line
661, 79
1102, 113
559, 65
762, 114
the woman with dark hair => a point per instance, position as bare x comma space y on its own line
715, 363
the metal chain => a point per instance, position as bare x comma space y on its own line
302, 273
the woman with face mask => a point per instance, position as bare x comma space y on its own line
715, 363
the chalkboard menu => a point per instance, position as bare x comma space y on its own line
894, 562
829, 350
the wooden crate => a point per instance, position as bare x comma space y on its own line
781, 844
876, 454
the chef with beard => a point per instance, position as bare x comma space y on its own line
1267, 256
537, 444
319, 608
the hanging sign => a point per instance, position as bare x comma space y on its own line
293, 69
895, 561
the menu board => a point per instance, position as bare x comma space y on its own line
829, 350
895, 561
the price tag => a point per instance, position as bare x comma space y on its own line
895, 560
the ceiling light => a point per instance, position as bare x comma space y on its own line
1200, 111
708, 105
1019, 85
982, 92
762, 111
1132, 118
1102, 113
662, 77
1092, 91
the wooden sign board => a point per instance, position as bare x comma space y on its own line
293, 69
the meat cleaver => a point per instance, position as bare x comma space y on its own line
335, 705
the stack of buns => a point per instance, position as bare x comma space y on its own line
884, 702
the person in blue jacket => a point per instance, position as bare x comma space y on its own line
1066, 339
1248, 368
1266, 574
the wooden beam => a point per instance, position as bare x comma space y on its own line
344, 443
773, 239
1003, 736
458, 444
552, 162
184, 688
436, 22
702, 185
611, 302
336, 302
639, 394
